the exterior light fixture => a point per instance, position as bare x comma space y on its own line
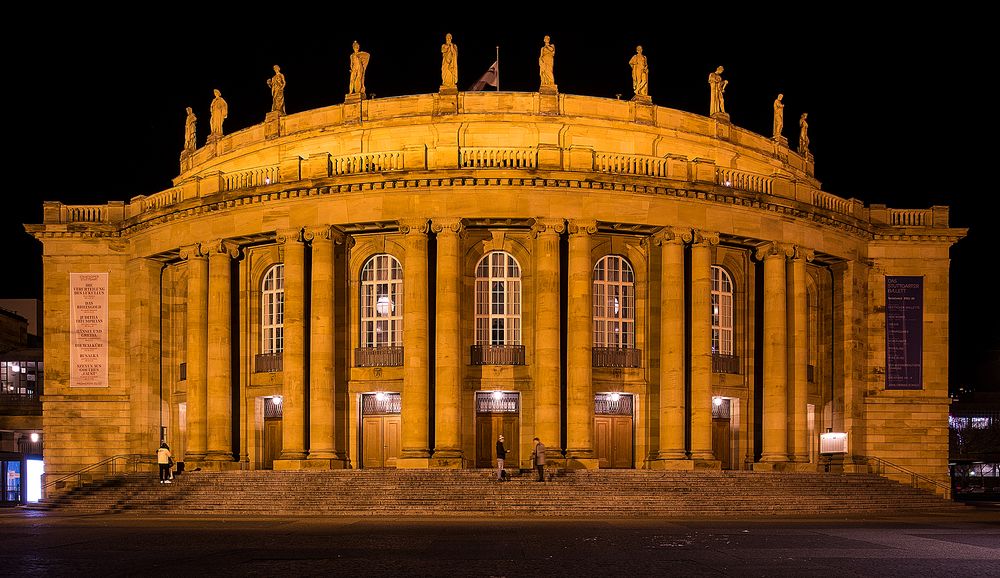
615, 397
276, 400
716, 401
34, 437
380, 396
497, 394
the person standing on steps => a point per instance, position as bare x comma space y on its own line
538, 459
501, 455
165, 459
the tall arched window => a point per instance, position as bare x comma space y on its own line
614, 303
272, 313
722, 312
498, 300
382, 302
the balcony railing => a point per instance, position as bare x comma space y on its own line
617, 357
497, 355
378, 356
267, 362
725, 363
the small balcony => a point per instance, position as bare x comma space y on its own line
378, 356
497, 355
617, 357
267, 362
722, 363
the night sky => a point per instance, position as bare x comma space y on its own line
95, 106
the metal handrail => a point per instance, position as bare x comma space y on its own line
879, 469
112, 462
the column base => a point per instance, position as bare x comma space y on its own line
219, 457
774, 458
413, 463
797, 467
707, 465
573, 463
702, 456
320, 464
447, 462
799, 458
292, 464
672, 465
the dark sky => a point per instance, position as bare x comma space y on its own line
896, 105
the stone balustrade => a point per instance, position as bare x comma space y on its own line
910, 217
622, 164
498, 158
743, 180
833, 203
255, 177
377, 162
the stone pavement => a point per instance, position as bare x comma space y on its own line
45, 544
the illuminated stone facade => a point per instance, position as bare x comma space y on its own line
437, 248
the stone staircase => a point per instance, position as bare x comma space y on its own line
470, 493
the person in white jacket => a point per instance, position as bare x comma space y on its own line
165, 460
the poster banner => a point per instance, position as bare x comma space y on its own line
904, 332
88, 330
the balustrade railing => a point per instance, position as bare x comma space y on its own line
257, 177
832, 203
616, 357
367, 163
161, 199
725, 363
85, 214
378, 357
498, 158
497, 355
622, 164
909, 217
743, 180
267, 363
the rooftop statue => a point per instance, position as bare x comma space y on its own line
640, 73
359, 64
449, 63
220, 110
779, 116
277, 84
190, 132
803, 134
546, 61
718, 86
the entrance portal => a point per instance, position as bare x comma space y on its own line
497, 413
613, 429
381, 429
272, 432
722, 431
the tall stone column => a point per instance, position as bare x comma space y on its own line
416, 394
672, 410
580, 342
775, 446
293, 410
848, 353
548, 417
448, 345
220, 382
197, 360
798, 358
701, 345
322, 360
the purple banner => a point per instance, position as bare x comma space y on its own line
904, 332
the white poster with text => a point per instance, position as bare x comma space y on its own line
88, 330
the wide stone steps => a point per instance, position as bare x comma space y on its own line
626, 493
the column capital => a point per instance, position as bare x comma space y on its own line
701, 237
582, 227
193, 251
803, 253
285, 235
448, 226
217, 247
543, 226
669, 235
410, 226
774, 249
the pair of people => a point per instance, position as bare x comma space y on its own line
165, 459
537, 459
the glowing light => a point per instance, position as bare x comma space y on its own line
34, 437
276, 400
716, 401
497, 394
380, 396
383, 306
615, 397
15, 368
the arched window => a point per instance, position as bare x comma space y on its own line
614, 303
272, 310
722, 312
382, 302
498, 300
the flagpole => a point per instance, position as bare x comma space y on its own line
498, 69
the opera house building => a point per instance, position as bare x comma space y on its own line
394, 282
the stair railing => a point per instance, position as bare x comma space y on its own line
878, 466
113, 466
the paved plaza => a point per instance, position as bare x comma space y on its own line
40, 544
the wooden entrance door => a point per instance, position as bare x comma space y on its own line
613, 440
381, 435
489, 426
721, 442
272, 442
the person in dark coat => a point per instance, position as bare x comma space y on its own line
538, 459
501, 455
